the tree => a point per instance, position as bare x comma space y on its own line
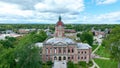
24, 54
112, 42
8, 42
70, 64
86, 37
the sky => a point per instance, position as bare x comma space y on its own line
71, 11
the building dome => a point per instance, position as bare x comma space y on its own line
59, 22
56, 40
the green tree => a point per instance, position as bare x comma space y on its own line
70, 64
112, 42
24, 54
86, 37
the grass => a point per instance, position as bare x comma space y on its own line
48, 64
81, 64
106, 63
94, 47
102, 51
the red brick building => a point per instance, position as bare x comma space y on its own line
61, 48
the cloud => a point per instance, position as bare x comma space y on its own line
99, 2
25, 4
47, 11
42, 11
7, 9
108, 18
60, 6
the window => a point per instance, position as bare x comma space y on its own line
55, 58
64, 50
64, 58
59, 50
82, 52
68, 50
85, 57
55, 50
78, 52
72, 57
68, 58
50, 50
46, 57
78, 57
72, 50
81, 57
85, 52
47, 50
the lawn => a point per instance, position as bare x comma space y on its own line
106, 63
102, 51
94, 47
80, 64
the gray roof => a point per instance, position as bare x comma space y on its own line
83, 46
56, 40
39, 44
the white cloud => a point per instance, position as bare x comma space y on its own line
108, 18
45, 11
60, 6
13, 9
105, 1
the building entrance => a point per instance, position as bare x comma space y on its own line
60, 58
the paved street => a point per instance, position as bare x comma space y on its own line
60, 64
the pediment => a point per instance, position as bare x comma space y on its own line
60, 43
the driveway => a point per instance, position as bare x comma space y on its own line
59, 64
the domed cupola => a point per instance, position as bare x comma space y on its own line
59, 23
59, 28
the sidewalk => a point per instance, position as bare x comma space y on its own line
60, 64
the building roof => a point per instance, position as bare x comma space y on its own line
56, 40
83, 46
39, 44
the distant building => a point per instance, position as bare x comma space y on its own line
2, 36
100, 33
7, 32
48, 33
70, 31
25, 31
61, 48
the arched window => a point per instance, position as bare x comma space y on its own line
64, 58
55, 58
68, 58
59, 58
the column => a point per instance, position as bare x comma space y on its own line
62, 50
57, 50
66, 50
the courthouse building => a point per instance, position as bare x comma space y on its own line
61, 48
